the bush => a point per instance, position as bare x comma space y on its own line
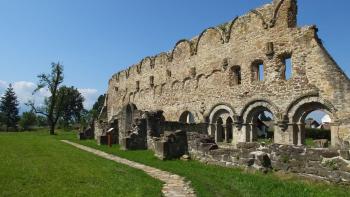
318, 133
28, 120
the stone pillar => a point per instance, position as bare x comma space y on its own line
224, 127
251, 131
301, 133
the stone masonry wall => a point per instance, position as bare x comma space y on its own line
319, 163
198, 75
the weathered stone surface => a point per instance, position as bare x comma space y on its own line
248, 145
171, 145
210, 88
215, 77
329, 153
345, 154
323, 143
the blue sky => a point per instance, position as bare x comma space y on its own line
96, 38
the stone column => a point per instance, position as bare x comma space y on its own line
251, 131
225, 132
301, 133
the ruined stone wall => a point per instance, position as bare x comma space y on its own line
197, 75
319, 163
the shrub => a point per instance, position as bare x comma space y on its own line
318, 133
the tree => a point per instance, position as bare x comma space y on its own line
52, 82
9, 108
97, 107
71, 104
28, 120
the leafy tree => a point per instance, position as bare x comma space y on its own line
97, 107
9, 108
28, 120
41, 121
51, 81
71, 105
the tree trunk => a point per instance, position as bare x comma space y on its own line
52, 129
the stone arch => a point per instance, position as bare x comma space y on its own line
199, 80
145, 63
261, 17
298, 111
223, 112
183, 49
229, 29
217, 34
176, 84
188, 84
129, 111
250, 117
187, 117
255, 104
311, 99
161, 59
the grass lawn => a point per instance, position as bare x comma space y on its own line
36, 164
209, 180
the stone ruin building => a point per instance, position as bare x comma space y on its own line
205, 97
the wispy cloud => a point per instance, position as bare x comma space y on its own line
90, 96
24, 91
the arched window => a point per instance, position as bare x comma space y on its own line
187, 117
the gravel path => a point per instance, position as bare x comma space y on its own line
174, 186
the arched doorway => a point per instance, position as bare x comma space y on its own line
261, 125
187, 117
129, 116
309, 128
259, 118
221, 123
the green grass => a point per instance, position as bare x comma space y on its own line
36, 164
209, 180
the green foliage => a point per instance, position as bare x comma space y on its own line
9, 108
28, 120
285, 158
70, 105
318, 133
41, 121
309, 142
97, 107
332, 164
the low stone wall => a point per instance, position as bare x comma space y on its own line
320, 163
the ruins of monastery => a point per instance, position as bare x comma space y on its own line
205, 98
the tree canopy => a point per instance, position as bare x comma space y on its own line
9, 108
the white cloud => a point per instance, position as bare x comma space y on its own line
90, 96
24, 91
